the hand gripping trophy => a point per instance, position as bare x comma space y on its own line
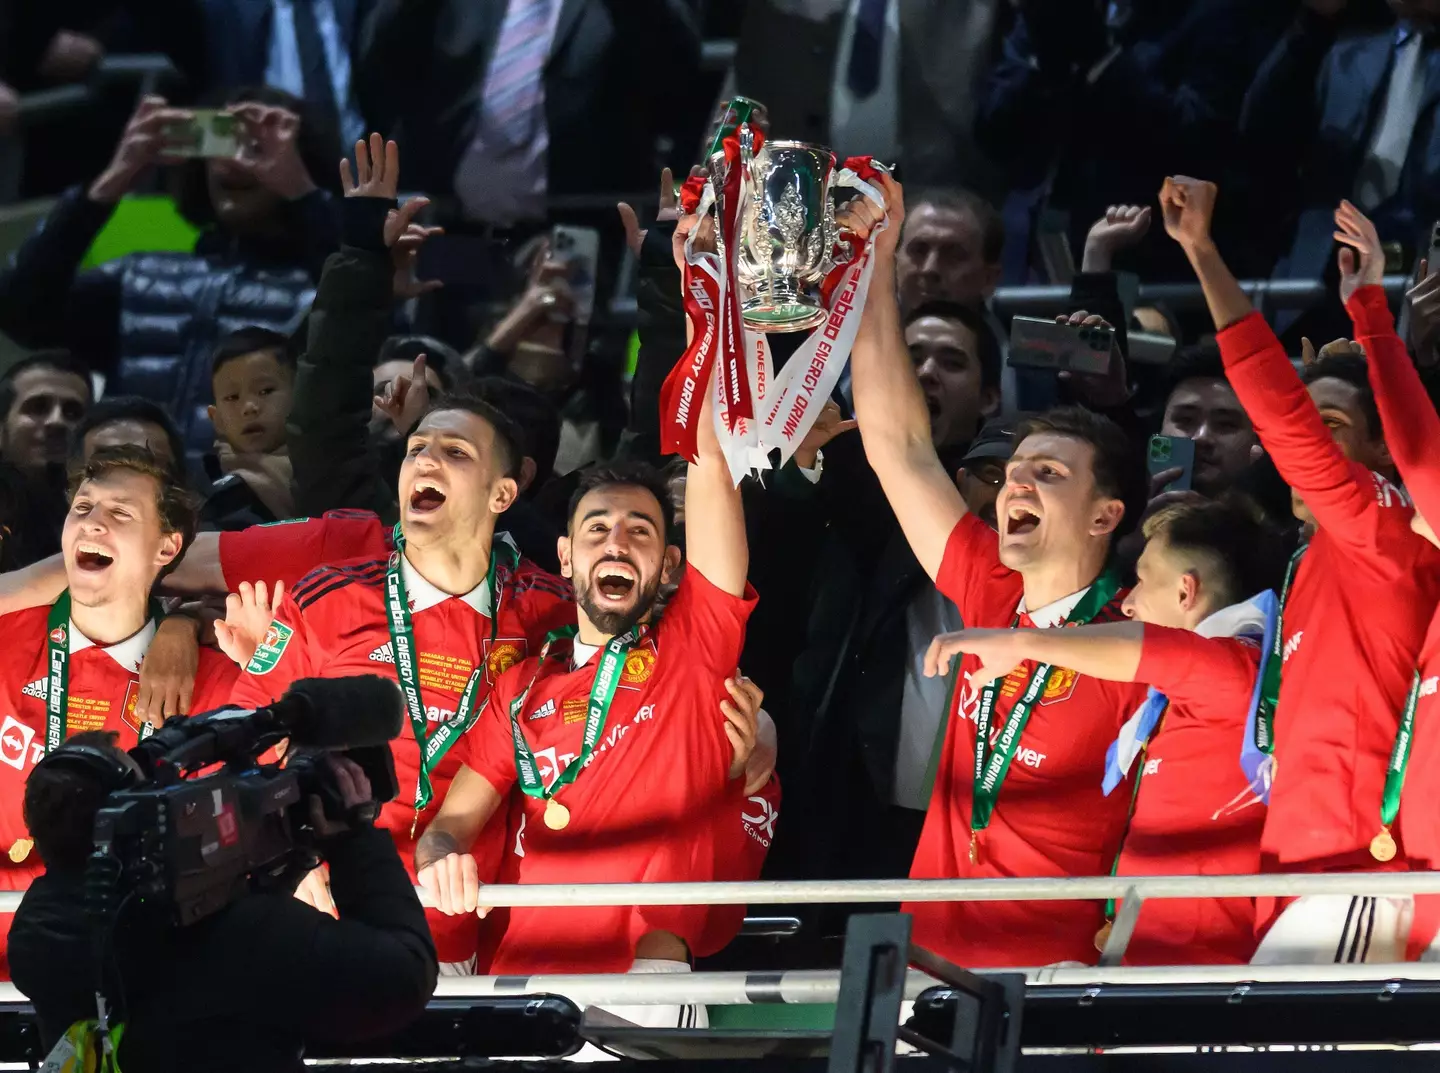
781, 265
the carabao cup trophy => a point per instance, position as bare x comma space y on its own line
781, 264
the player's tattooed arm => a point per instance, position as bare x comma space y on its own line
434, 846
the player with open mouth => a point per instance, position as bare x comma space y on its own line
74, 665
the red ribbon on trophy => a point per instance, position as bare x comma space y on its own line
712, 304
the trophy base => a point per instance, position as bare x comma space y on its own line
782, 313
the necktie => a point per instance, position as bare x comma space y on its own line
863, 74
314, 70
514, 89
1389, 146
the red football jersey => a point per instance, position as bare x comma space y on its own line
1195, 813
1051, 818
104, 686
1356, 617
1412, 431
662, 761
340, 628
288, 550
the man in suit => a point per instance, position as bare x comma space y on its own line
895, 79
305, 47
504, 102
1349, 118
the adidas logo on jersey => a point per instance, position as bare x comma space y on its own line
384, 654
548, 708
35, 689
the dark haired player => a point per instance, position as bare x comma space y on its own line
74, 666
625, 773
1333, 700
454, 602
1037, 809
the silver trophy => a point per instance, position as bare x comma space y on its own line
785, 233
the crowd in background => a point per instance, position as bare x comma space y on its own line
1031, 137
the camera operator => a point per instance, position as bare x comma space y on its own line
243, 989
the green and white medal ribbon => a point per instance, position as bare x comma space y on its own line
992, 765
433, 747
597, 711
1382, 846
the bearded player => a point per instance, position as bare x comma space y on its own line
624, 773
1196, 639
1038, 810
454, 602
74, 666
1357, 604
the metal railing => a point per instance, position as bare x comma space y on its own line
1131, 891
1266, 294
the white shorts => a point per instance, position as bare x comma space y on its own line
649, 1016
459, 968
1338, 929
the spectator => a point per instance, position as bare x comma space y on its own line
950, 250
128, 420
882, 78
305, 47
1341, 118
43, 398
1091, 103
253, 373
1201, 406
149, 320
982, 470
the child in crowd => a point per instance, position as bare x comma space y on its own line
253, 376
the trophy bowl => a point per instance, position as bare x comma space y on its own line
786, 233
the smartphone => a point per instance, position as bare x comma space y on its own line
579, 248
1172, 452
1042, 343
1433, 257
208, 133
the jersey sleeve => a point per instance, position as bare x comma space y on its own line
545, 603
971, 573
1203, 673
488, 748
287, 551
1412, 428
286, 658
708, 624
1337, 491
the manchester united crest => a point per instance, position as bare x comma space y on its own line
639, 666
504, 654
1060, 687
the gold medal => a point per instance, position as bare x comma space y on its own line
1382, 846
557, 816
20, 849
974, 847
1102, 937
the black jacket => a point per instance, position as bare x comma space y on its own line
246, 989
150, 321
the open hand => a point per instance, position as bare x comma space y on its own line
1188, 206
270, 150
669, 210
377, 169
167, 673
248, 614
1362, 261
827, 426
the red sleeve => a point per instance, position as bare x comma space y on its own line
264, 679
1338, 492
1412, 428
488, 747
708, 624
287, 551
215, 680
545, 602
971, 571
1204, 673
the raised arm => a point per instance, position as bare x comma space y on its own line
1412, 428
1285, 417
894, 422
